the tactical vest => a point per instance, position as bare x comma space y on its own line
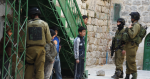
125, 36
118, 39
36, 33
81, 48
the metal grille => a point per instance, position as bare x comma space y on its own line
17, 23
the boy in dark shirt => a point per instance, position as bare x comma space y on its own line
57, 64
79, 52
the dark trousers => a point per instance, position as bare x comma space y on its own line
79, 69
5, 65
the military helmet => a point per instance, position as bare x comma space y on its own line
121, 20
135, 15
33, 11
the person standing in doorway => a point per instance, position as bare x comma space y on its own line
57, 65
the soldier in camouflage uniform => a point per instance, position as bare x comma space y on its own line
38, 34
119, 47
132, 46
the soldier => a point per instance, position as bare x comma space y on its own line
119, 47
38, 34
132, 46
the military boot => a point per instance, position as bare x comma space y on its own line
127, 76
116, 75
121, 76
134, 75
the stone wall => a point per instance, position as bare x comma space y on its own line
128, 6
99, 37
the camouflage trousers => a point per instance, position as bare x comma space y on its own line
130, 58
35, 60
119, 58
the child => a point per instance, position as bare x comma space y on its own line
50, 56
85, 19
57, 65
79, 52
7, 49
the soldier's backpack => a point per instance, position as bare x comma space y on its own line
139, 37
51, 51
142, 31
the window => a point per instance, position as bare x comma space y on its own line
117, 8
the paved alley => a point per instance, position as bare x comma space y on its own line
109, 71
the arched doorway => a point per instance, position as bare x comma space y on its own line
146, 58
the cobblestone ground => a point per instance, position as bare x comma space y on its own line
109, 71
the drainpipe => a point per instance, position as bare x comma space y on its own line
106, 56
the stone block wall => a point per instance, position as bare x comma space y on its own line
98, 26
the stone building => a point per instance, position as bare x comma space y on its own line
102, 25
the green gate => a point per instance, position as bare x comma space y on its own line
146, 58
17, 22
51, 13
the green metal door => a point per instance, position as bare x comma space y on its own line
146, 58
